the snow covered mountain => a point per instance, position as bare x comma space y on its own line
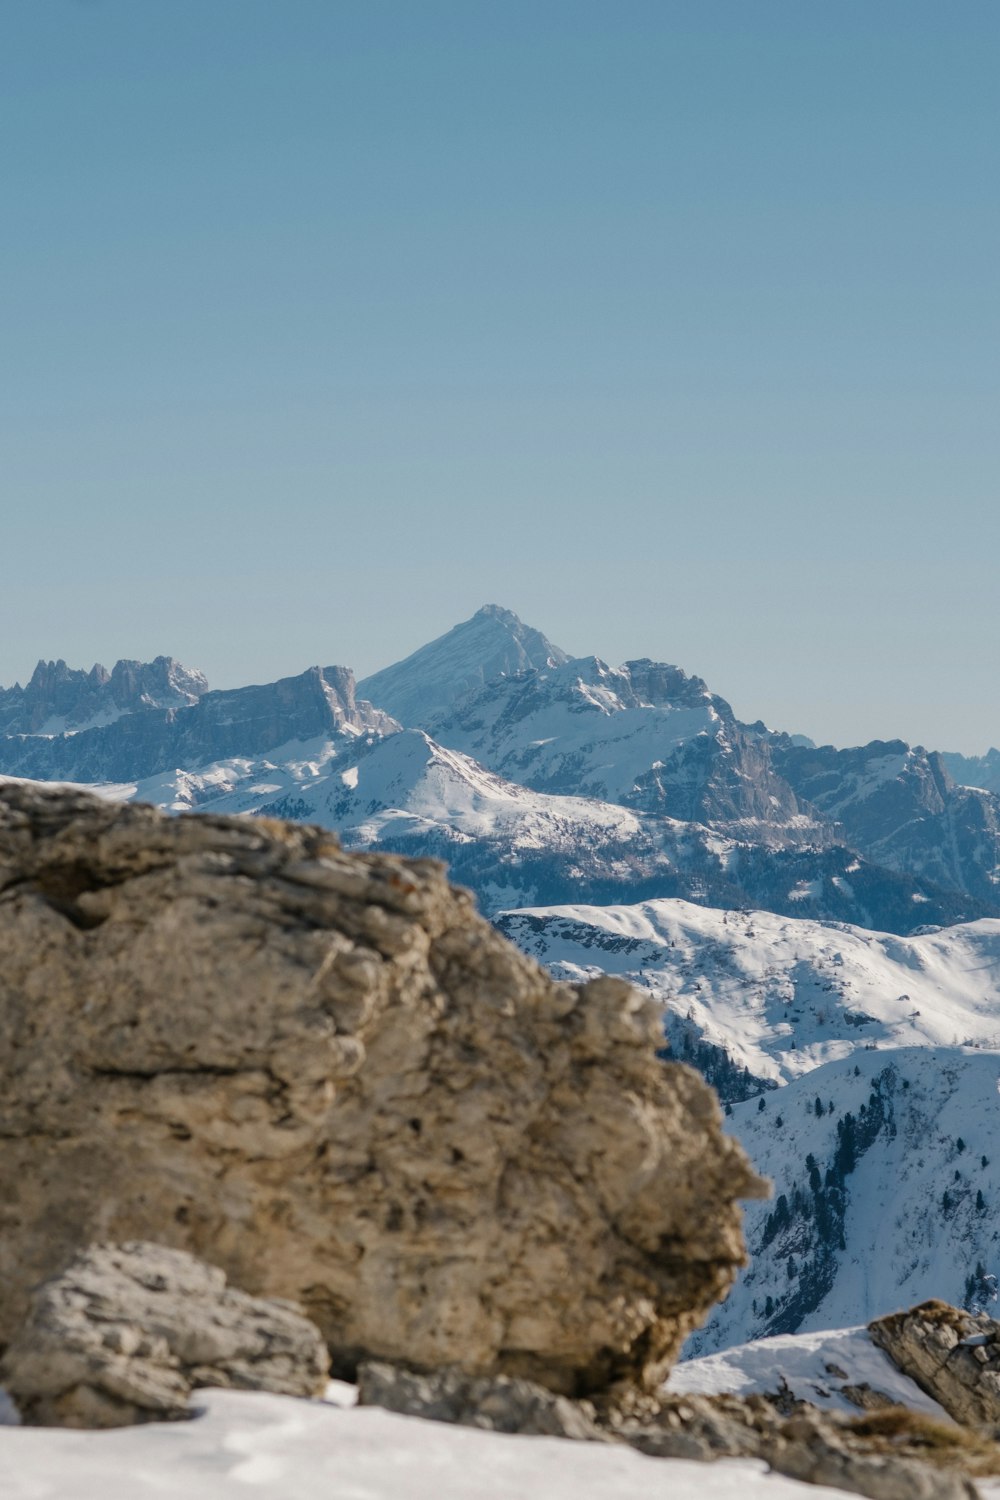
384, 788
974, 770
402, 791
887, 1191
780, 996
648, 736
644, 734
718, 811
61, 700
899, 806
494, 643
240, 722
862, 1073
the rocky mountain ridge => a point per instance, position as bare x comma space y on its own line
62, 700
515, 760
974, 770
241, 722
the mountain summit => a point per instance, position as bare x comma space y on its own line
494, 643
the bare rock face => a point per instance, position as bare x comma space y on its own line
326, 1074
127, 1331
952, 1355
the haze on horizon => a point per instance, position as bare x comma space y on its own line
673, 328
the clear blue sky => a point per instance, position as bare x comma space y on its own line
674, 327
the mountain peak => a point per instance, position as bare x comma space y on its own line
493, 643
497, 612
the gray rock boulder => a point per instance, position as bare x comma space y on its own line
500, 1404
325, 1073
127, 1331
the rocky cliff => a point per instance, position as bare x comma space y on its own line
899, 806
239, 722
60, 699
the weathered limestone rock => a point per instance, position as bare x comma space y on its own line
812, 1448
892, 1454
952, 1355
500, 1404
326, 1074
889, 1455
127, 1331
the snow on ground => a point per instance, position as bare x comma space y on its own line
813, 1366
782, 995
256, 1447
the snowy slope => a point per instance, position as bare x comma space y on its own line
512, 845
492, 644
782, 995
644, 734
406, 793
812, 1366
862, 1072
277, 1448
581, 723
887, 1184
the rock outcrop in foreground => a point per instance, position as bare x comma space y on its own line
128, 1331
326, 1074
890, 1454
953, 1355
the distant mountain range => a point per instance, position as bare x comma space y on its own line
975, 770
541, 778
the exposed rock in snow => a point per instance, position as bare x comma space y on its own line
952, 1355
500, 1404
828, 1369
127, 1331
888, 1454
644, 734
975, 770
899, 806
283, 1449
325, 1073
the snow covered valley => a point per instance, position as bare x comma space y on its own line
861, 1071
